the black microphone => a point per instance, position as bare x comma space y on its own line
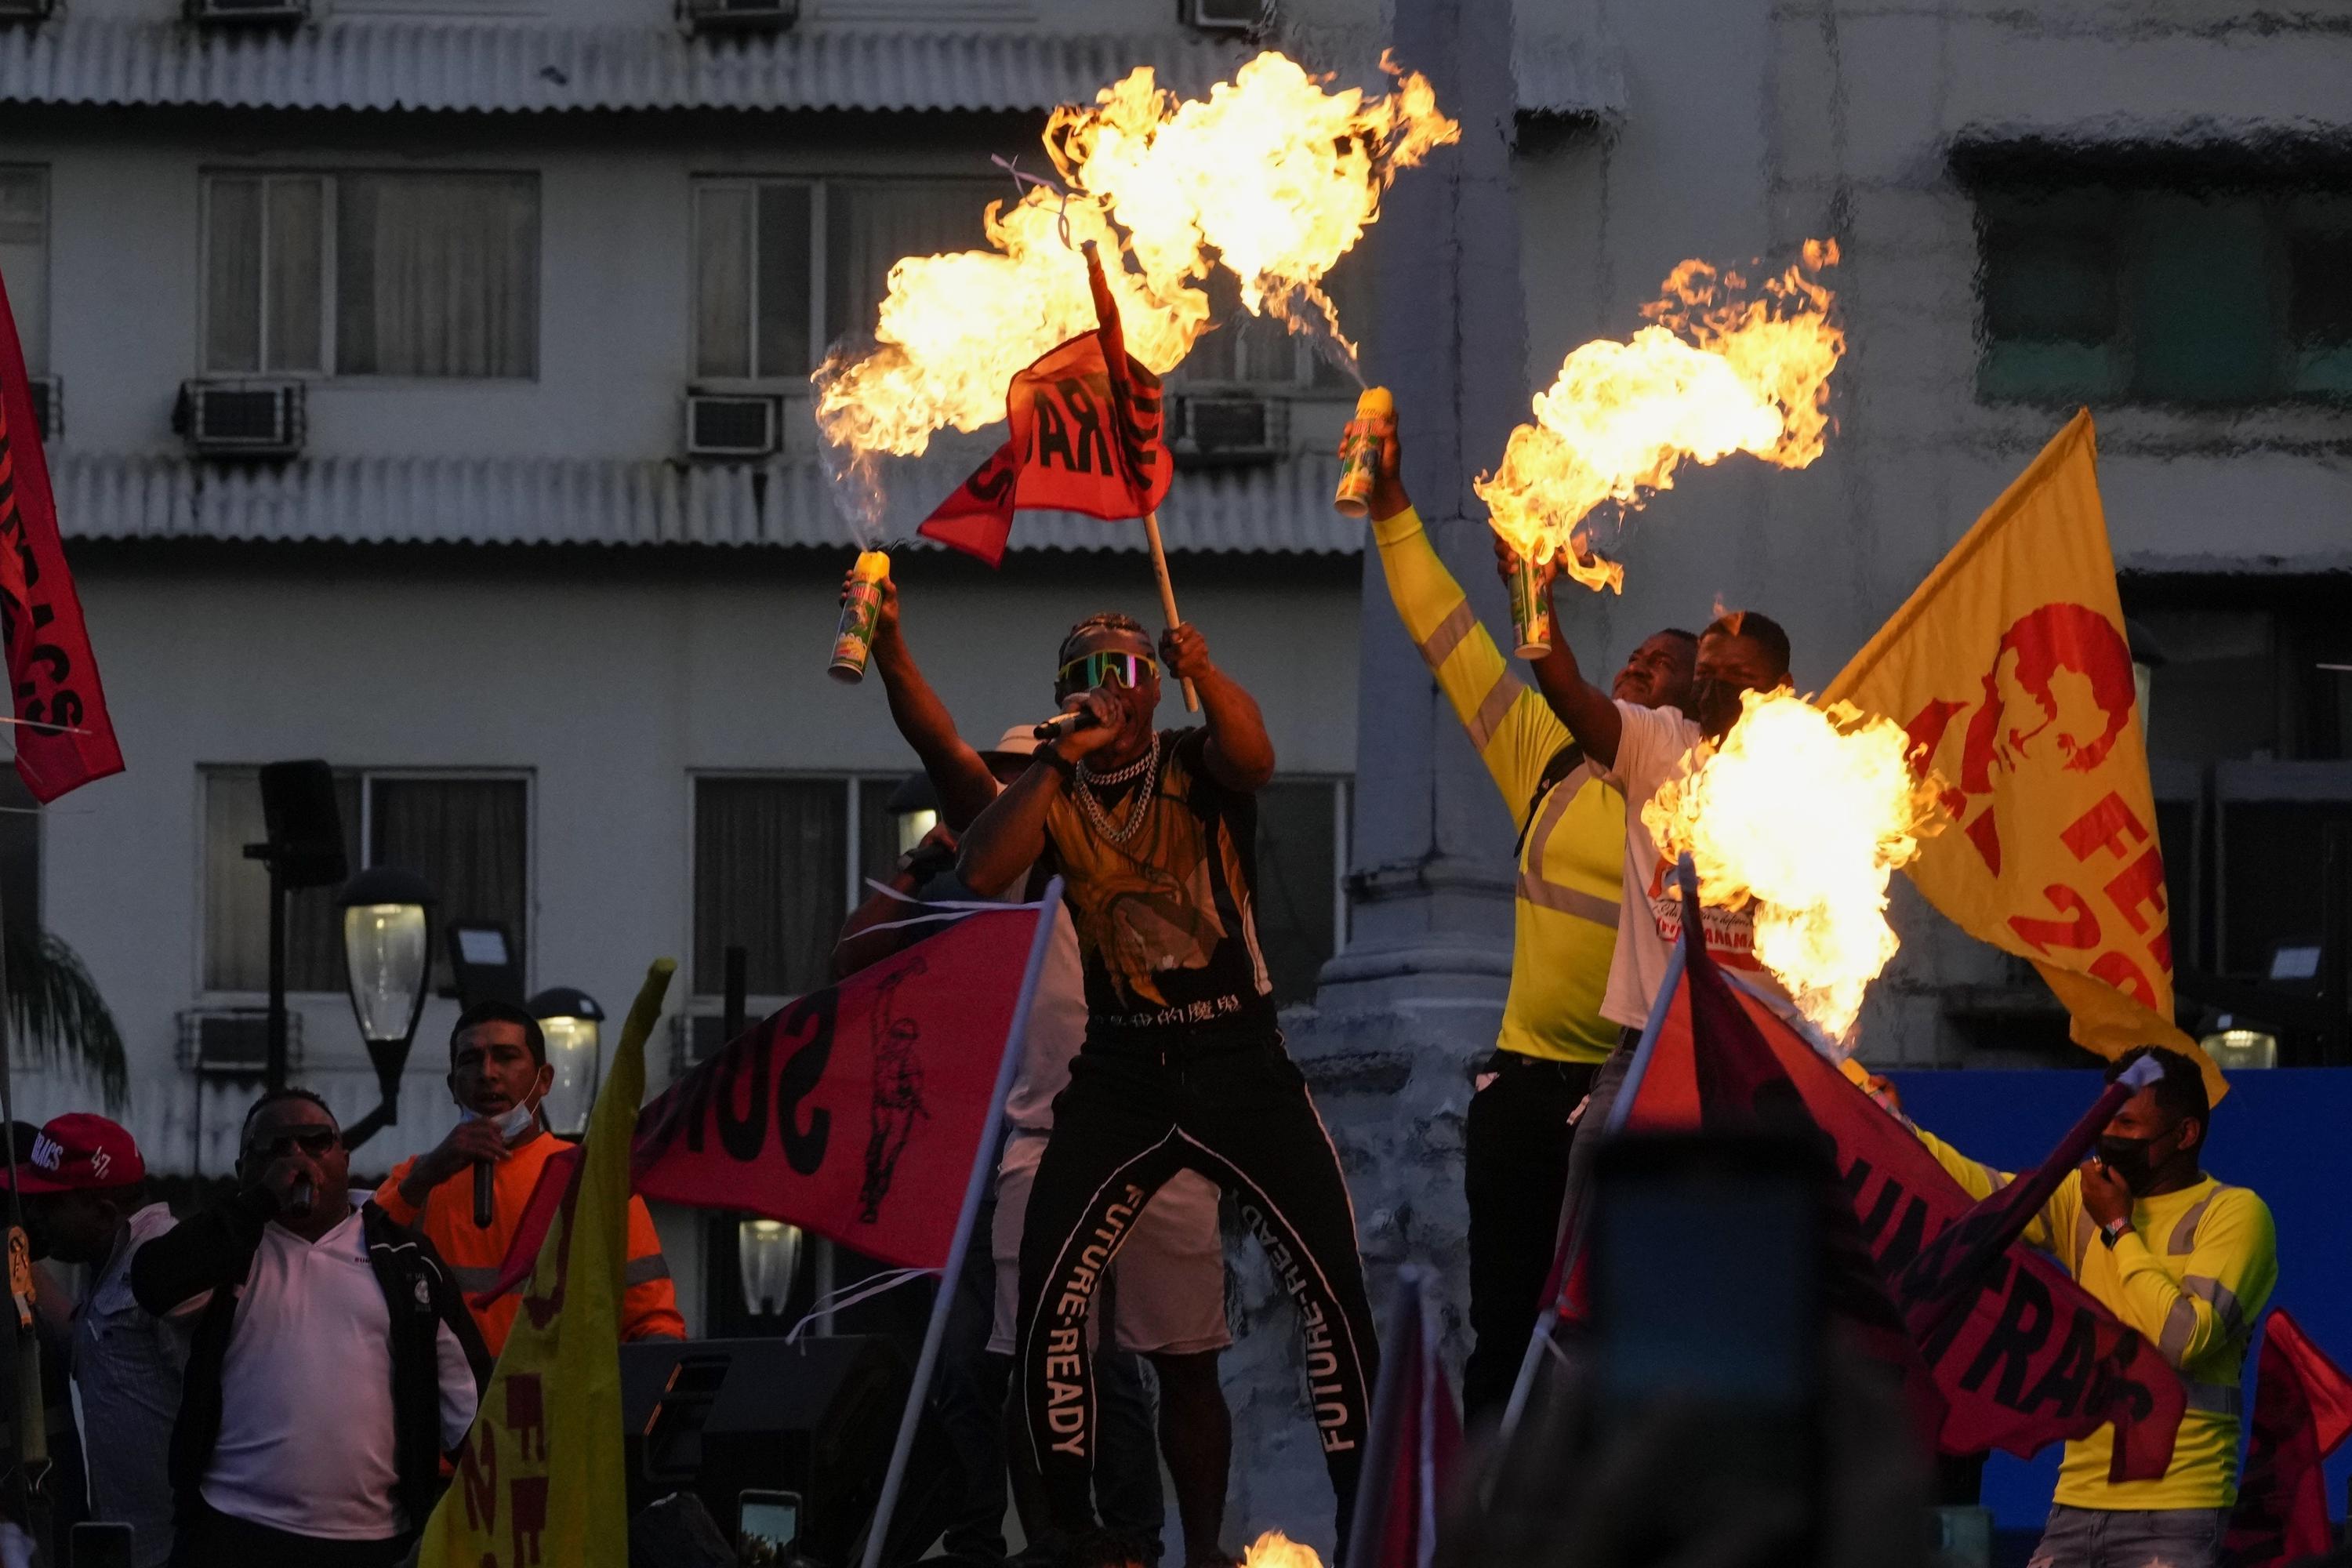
1062, 724
482, 1205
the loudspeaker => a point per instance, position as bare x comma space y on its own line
304, 824
720, 1417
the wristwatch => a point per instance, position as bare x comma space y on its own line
1058, 763
2113, 1231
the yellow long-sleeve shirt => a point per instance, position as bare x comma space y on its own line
1566, 921
2192, 1276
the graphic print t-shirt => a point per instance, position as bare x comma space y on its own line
1652, 749
1166, 927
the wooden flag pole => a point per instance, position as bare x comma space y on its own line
1167, 595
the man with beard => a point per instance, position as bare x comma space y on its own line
1570, 818
2190, 1263
1154, 834
1740, 651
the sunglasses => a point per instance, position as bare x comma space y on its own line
1088, 671
315, 1142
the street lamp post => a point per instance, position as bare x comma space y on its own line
569, 1019
767, 1252
387, 963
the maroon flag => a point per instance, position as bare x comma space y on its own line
1415, 1441
65, 739
2303, 1411
2015, 1355
1084, 437
858, 1111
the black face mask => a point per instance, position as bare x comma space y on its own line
2133, 1159
1715, 703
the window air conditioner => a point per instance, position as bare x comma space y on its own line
1225, 16
241, 418
718, 426
233, 1042
237, 11
1204, 430
25, 10
709, 15
49, 404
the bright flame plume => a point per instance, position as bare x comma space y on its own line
1275, 1550
1721, 368
1806, 813
1273, 176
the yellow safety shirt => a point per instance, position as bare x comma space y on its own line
2192, 1276
1566, 922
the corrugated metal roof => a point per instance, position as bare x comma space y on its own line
481, 67
1276, 508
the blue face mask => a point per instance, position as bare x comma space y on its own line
513, 1123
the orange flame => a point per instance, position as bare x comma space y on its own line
1805, 812
1275, 1550
1272, 176
1720, 369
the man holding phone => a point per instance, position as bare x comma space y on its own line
2187, 1262
332, 1364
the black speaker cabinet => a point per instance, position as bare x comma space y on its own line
720, 1417
304, 824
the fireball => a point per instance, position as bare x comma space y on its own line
1805, 812
1721, 369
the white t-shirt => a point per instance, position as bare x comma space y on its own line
306, 1433
1650, 748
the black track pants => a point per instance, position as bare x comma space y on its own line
1515, 1151
1239, 1114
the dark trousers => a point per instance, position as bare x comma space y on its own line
1238, 1112
1515, 1152
215, 1539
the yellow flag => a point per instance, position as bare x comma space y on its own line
540, 1482
2011, 670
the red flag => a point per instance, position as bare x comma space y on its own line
1084, 437
51, 670
1415, 1441
2030, 1358
2303, 1411
858, 1111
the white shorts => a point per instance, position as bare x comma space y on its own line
1169, 1281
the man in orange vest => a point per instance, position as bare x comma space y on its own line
498, 1075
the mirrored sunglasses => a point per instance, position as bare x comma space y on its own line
1089, 670
314, 1141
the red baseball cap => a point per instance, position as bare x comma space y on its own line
78, 1153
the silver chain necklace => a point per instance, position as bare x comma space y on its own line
1142, 767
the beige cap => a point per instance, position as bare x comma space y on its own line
1021, 740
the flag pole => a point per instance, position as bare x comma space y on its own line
1167, 595
982, 1167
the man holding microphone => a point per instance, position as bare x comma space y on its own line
467, 1195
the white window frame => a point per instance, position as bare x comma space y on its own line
790, 380
48, 266
367, 777
328, 235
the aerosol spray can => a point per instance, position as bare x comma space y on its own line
861, 611
1530, 617
1359, 451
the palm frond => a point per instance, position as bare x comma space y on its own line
55, 1014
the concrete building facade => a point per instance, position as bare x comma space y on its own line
494, 590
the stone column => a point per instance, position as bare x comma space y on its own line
1412, 1004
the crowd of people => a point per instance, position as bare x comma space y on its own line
279, 1379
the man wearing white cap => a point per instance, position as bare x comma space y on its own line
1169, 1282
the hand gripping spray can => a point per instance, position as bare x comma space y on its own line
861, 611
1530, 616
1359, 451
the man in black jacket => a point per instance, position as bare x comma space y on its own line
333, 1363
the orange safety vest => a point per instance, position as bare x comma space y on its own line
474, 1255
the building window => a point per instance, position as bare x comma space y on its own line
777, 864
784, 268
25, 258
2165, 294
422, 275
468, 837
1302, 861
